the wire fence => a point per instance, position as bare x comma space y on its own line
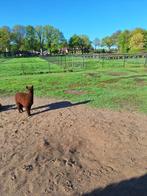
83, 62
69, 63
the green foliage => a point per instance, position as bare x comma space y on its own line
30, 38
40, 34
79, 43
123, 41
136, 42
54, 38
145, 40
108, 42
5, 38
115, 37
84, 43
18, 35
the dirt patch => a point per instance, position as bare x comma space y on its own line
117, 73
74, 85
140, 81
96, 75
71, 149
75, 92
107, 82
114, 80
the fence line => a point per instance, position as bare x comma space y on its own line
76, 62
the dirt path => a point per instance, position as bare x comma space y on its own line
71, 149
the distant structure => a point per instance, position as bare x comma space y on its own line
64, 50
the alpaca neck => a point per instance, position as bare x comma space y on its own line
31, 95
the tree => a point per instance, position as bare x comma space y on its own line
5, 39
115, 38
96, 43
136, 42
18, 35
74, 43
108, 42
54, 39
123, 41
79, 42
84, 43
40, 34
30, 38
145, 40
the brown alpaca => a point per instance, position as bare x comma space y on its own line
25, 100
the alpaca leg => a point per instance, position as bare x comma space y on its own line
28, 111
19, 107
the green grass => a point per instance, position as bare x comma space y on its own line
110, 85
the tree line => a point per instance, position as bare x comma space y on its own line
51, 40
125, 41
29, 38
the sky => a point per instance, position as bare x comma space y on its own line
94, 18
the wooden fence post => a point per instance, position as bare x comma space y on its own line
124, 61
49, 67
145, 63
83, 61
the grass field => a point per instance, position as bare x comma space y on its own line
107, 85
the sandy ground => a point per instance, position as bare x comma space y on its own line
71, 149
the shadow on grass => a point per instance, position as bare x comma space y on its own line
131, 187
57, 105
7, 107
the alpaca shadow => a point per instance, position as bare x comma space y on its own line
7, 107
57, 105
131, 187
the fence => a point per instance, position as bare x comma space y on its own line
70, 63
66, 62
94, 61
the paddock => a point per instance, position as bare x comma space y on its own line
69, 148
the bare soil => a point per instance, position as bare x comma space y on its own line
117, 73
74, 92
71, 149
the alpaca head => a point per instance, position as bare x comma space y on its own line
29, 88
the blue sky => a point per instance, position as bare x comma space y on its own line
95, 18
